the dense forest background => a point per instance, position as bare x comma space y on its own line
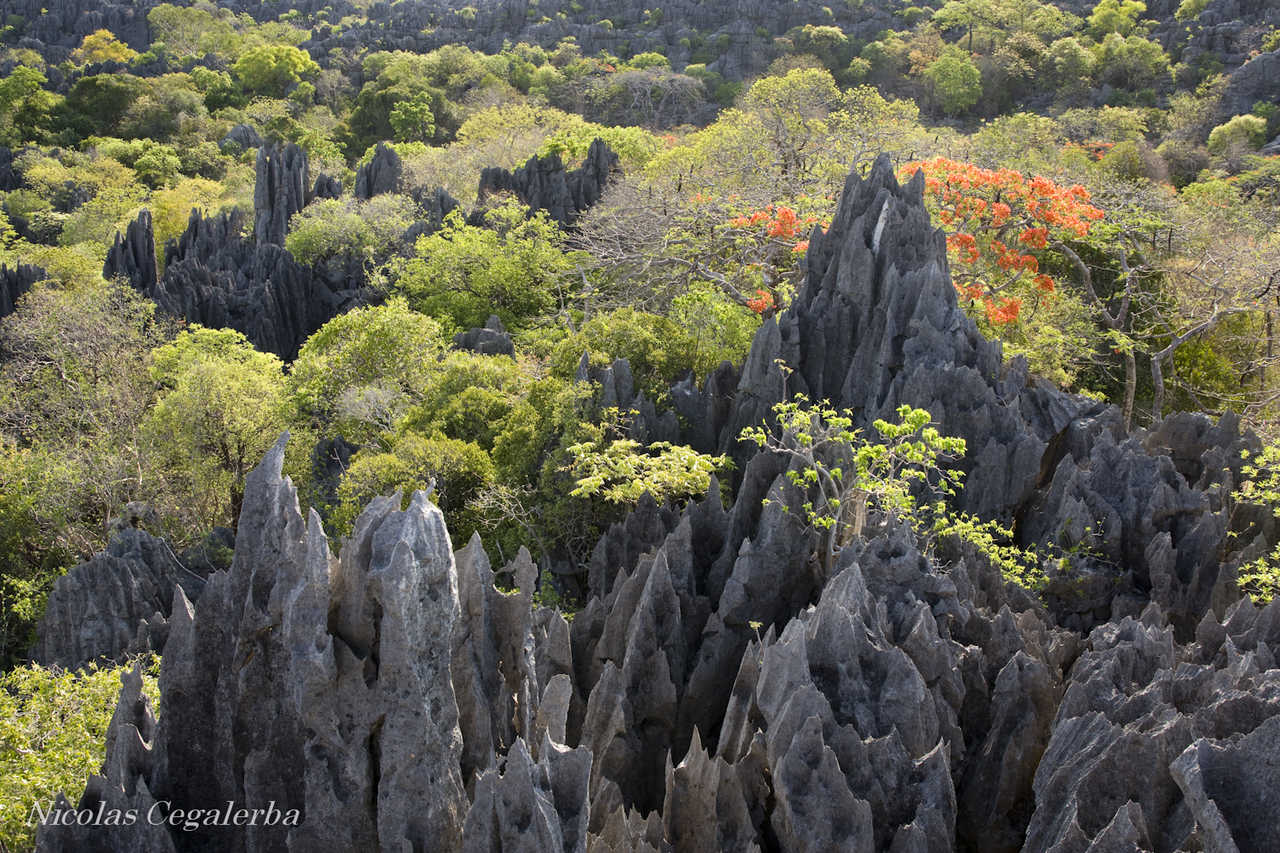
1108, 177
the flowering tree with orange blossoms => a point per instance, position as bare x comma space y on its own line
1005, 237
771, 243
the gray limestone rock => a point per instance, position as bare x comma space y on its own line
280, 191
133, 256
381, 174
115, 605
490, 339
543, 183
312, 683
15, 281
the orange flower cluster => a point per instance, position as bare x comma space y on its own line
762, 302
780, 221
998, 219
965, 246
1004, 311
968, 194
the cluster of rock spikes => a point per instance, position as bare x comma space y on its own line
719, 690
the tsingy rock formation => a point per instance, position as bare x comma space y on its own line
543, 183
14, 282
116, 604
722, 688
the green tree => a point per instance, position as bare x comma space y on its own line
1115, 16
1131, 62
794, 111
99, 103
1259, 578
349, 228
270, 70
412, 119
73, 389
102, 46
515, 268
469, 397
610, 465
195, 32
219, 410
360, 371
25, 107
456, 471
957, 82
899, 477
1244, 132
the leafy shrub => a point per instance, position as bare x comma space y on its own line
363, 229
1248, 132
514, 268
657, 347
459, 470
621, 470
387, 347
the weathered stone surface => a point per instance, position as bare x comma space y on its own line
543, 183
216, 278
115, 605
314, 683
280, 191
1148, 721
379, 175
491, 339
493, 669
14, 282
133, 256
242, 137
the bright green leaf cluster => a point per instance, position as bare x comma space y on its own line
53, 727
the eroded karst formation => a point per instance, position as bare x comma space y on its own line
223, 274
721, 689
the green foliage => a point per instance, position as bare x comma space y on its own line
194, 32
98, 104
1247, 132
634, 146
957, 82
515, 268
621, 470
412, 119
1131, 62
53, 729
359, 372
349, 227
33, 514
102, 46
25, 107
1115, 16
900, 476
1260, 578
721, 329
271, 70
657, 348
219, 410
458, 470
1189, 10
469, 397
